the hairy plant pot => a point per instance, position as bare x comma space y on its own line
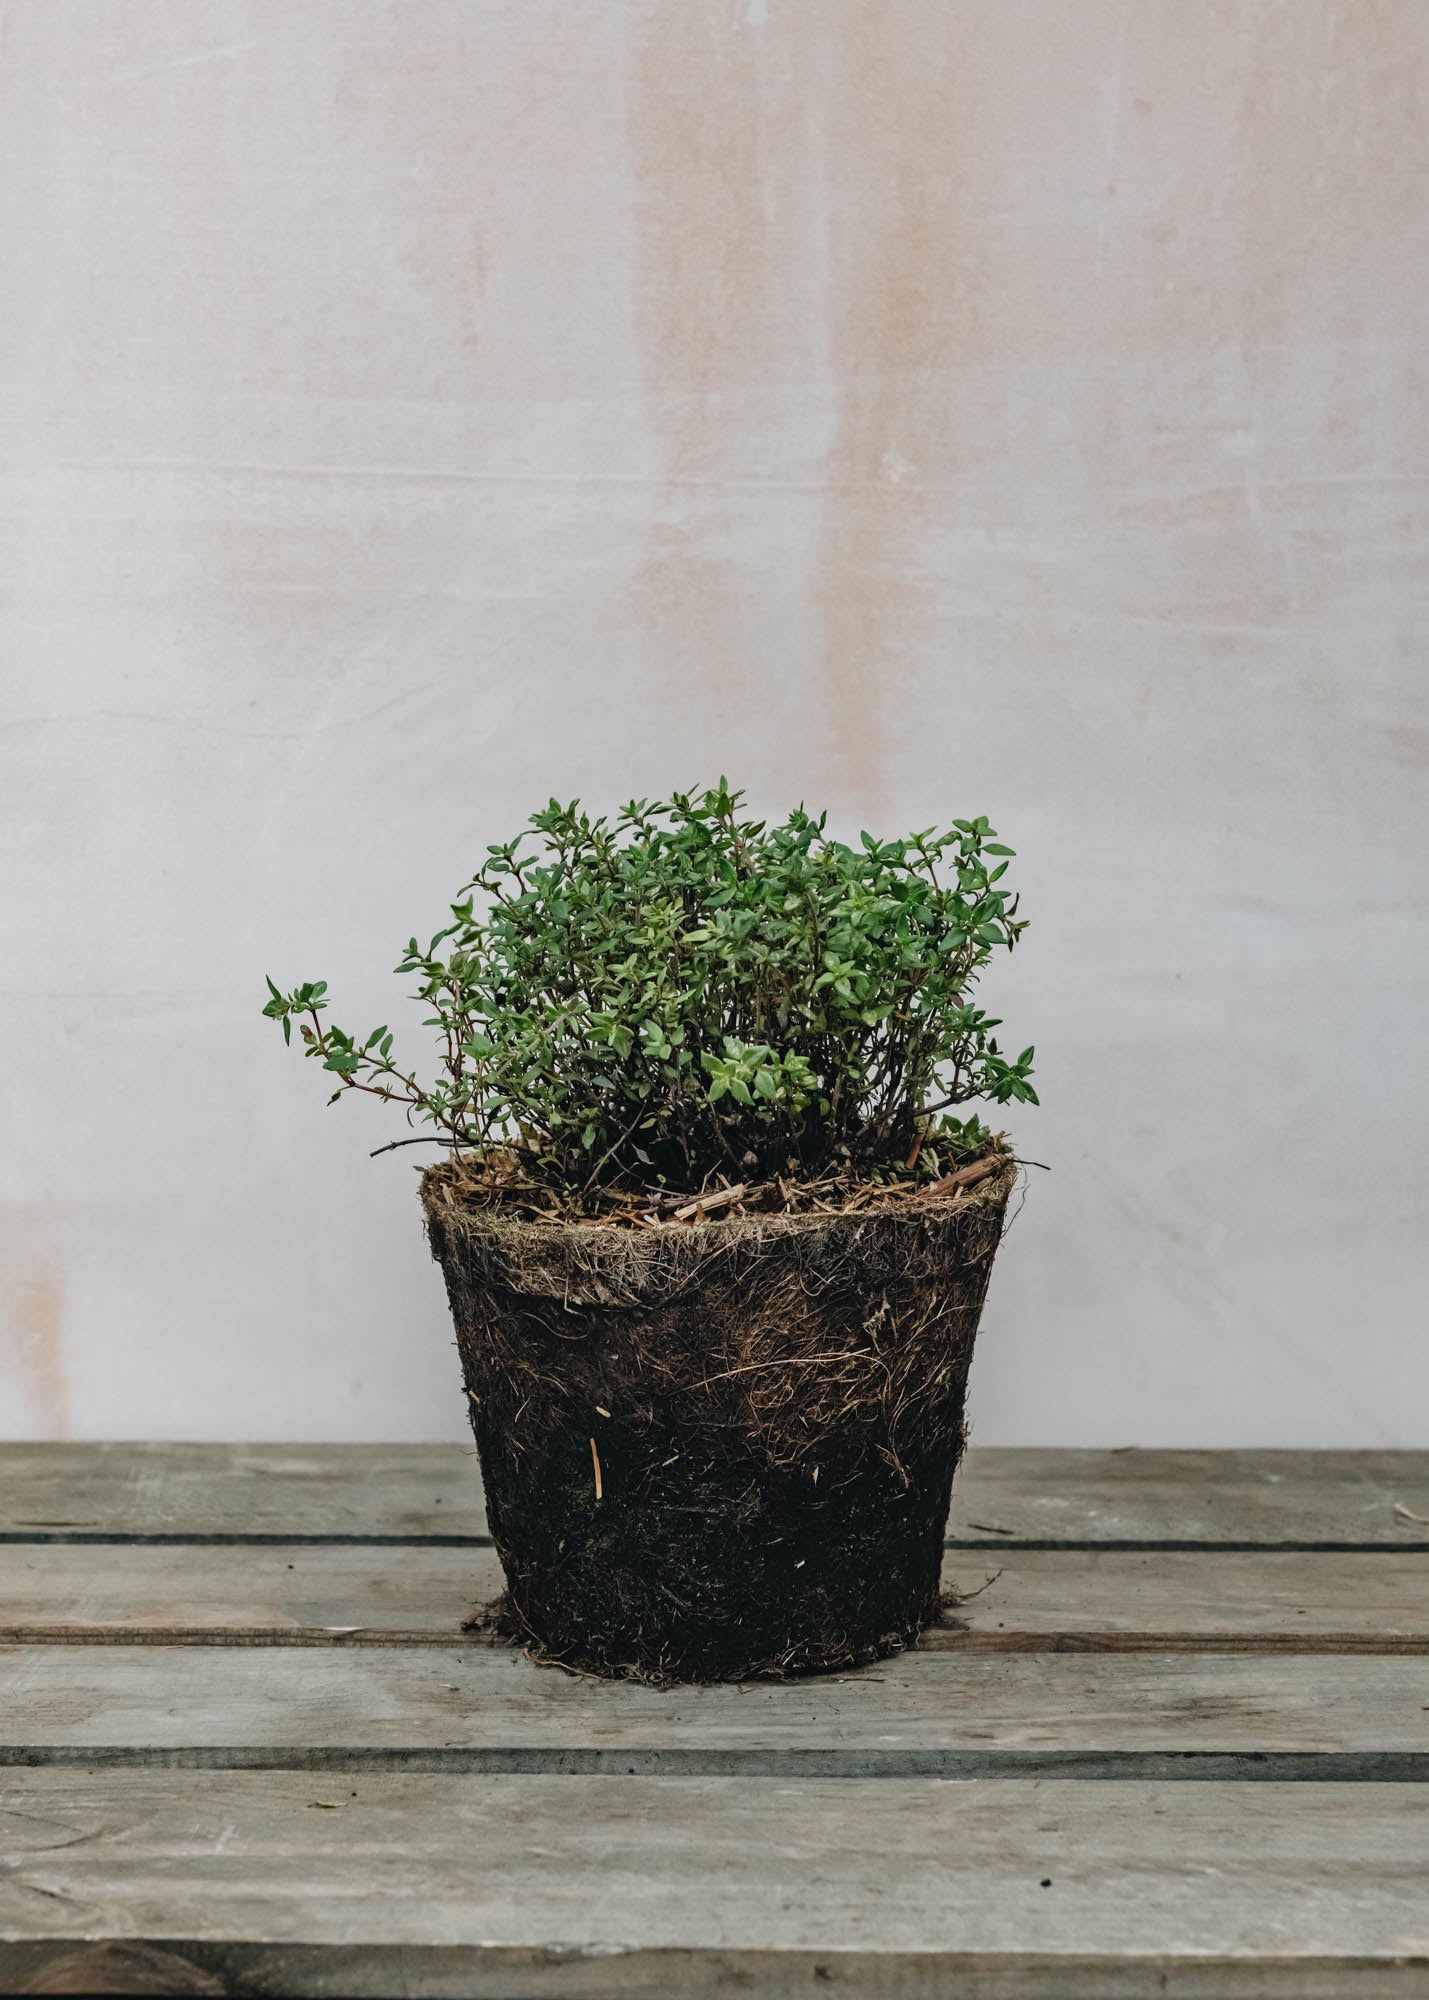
723, 1448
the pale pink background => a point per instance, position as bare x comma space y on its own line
1017, 406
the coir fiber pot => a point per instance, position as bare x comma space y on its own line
723, 1448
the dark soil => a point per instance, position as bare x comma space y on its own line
723, 1448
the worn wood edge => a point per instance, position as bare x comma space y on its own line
1347, 1767
553, 1972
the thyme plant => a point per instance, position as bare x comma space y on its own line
685, 992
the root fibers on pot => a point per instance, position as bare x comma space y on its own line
723, 1448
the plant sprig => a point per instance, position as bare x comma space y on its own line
685, 991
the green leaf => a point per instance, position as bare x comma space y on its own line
728, 986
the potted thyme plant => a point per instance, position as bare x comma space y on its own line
716, 1222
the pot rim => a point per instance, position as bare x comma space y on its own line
487, 1221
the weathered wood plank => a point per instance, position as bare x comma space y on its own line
921, 1715
399, 1492
1291, 1499
1027, 1599
1265, 1600
562, 1972
536, 1871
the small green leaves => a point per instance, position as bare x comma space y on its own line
686, 990
961, 1139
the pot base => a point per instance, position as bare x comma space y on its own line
684, 1590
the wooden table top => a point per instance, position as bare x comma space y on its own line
1172, 1738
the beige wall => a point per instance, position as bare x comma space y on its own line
413, 409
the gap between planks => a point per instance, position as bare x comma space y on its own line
937, 1639
1346, 1767
987, 1545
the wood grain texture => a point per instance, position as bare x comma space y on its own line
296, 1706
569, 1972
397, 1492
1290, 1499
632, 1865
1002, 1497
328, 1788
1026, 1599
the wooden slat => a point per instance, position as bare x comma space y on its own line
1123, 1599
396, 1812
564, 1972
399, 1492
567, 1972
1035, 1599
613, 1885
1289, 1499
921, 1715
